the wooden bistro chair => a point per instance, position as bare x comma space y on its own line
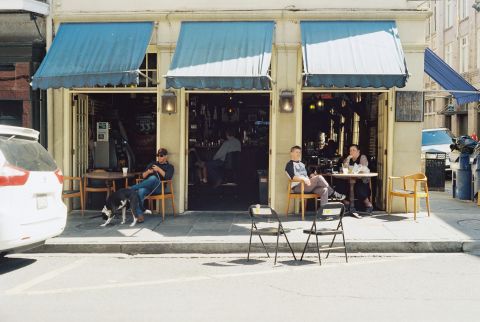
414, 186
166, 193
72, 191
105, 188
303, 197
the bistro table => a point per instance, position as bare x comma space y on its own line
111, 176
352, 178
108, 177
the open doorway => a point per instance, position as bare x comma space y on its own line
334, 121
120, 130
240, 179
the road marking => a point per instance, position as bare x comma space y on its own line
120, 285
43, 278
23, 289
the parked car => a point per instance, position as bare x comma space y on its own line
30, 191
438, 139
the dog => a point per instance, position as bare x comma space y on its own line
121, 200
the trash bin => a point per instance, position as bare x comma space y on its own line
475, 166
435, 170
262, 187
462, 177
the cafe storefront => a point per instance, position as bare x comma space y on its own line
260, 78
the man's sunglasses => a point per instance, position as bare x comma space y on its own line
161, 155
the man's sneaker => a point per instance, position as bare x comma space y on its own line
338, 196
369, 209
147, 212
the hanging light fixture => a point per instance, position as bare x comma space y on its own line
286, 101
169, 103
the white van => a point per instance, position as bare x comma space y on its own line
31, 209
438, 139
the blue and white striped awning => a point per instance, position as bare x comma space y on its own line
352, 54
91, 54
222, 55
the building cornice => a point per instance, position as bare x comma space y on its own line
325, 14
414, 47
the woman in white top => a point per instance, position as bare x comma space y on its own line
362, 188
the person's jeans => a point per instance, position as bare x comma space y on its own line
150, 185
214, 171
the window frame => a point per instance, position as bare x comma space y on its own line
448, 55
464, 54
462, 9
448, 14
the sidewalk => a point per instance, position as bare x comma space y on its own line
454, 226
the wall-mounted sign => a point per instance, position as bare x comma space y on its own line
409, 106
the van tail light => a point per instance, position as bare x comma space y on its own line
13, 176
59, 175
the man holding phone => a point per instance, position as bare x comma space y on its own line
156, 171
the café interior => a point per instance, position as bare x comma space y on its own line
330, 123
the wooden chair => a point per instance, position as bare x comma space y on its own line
87, 188
301, 195
166, 193
72, 192
416, 180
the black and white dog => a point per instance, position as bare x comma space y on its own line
121, 199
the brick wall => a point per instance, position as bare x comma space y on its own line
17, 87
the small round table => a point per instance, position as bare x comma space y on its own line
110, 176
352, 178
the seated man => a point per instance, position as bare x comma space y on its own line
195, 166
315, 183
213, 169
155, 172
362, 188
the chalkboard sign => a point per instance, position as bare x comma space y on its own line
409, 106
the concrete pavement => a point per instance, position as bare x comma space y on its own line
191, 287
454, 226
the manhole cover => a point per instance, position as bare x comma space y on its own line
470, 223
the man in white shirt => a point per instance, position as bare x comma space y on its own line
213, 169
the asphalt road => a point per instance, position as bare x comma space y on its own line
386, 287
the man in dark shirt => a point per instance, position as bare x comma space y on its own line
313, 183
155, 172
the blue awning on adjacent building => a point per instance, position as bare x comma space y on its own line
91, 54
352, 54
449, 79
222, 55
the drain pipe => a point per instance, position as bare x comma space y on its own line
49, 39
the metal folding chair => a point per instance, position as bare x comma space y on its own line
327, 209
261, 215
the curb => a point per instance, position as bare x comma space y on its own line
226, 248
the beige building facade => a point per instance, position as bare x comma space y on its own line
396, 156
453, 33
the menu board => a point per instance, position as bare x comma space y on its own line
409, 106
